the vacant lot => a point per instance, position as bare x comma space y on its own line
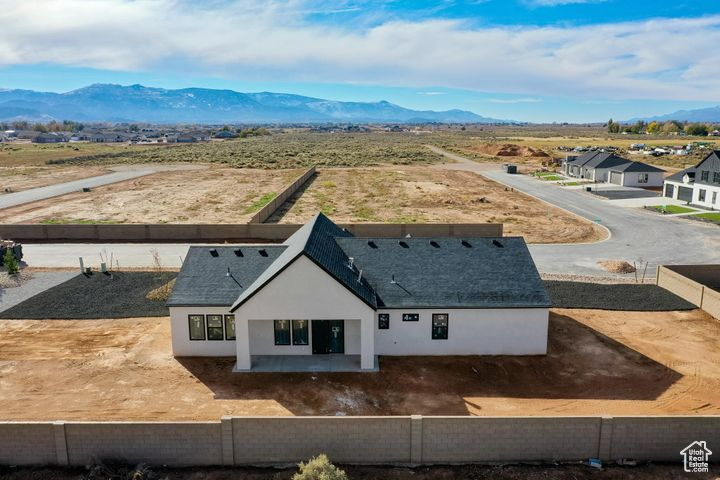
216, 195
599, 362
23, 178
430, 195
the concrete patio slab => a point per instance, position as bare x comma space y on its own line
307, 363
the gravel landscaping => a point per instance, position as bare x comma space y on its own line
120, 295
626, 296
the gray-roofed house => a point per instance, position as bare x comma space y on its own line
599, 166
698, 185
324, 291
636, 174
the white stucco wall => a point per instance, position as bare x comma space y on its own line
182, 346
262, 339
655, 179
470, 332
708, 196
305, 291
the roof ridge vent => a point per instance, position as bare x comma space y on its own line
372, 244
466, 244
263, 252
214, 252
433, 243
403, 244
238, 252
498, 244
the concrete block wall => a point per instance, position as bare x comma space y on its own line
363, 440
267, 211
688, 282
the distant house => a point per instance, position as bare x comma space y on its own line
101, 137
225, 134
49, 138
636, 174
598, 167
698, 185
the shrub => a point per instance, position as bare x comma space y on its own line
319, 468
11, 263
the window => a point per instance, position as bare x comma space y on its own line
701, 196
383, 321
215, 327
643, 177
411, 317
229, 327
716, 177
714, 200
282, 332
704, 176
197, 327
300, 332
440, 326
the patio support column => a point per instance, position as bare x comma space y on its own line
367, 341
242, 342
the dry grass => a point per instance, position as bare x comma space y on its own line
163, 292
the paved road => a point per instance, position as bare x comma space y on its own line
61, 255
42, 193
635, 234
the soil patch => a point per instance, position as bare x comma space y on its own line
116, 295
617, 266
598, 362
624, 296
510, 150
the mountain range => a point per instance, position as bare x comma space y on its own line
137, 103
709, 114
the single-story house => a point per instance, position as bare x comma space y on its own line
698, 185
598, 167
572, 165
324, 291
636, 174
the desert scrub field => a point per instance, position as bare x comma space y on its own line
19, 154
281, 150
432, 195
15, 179
210, 195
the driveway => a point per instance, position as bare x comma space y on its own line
636, 234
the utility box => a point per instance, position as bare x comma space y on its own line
509, 168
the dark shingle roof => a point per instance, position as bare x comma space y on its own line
203, 278
605, 160
443, 273
584, 158
316, 240
636, 167
678, 177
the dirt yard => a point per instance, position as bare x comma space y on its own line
23, 178
213, 195
599, 362
430, 195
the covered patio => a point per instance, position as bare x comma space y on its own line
307, 363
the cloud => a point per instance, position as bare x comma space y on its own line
256, 40
431, 93
515, 100
555, 3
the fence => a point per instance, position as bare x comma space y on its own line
259, 232
360, 440
267, 211
698, 284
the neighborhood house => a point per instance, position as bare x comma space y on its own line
324, 291
698, 185
600, 166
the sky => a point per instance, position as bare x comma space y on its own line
526, 60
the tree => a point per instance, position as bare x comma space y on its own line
697, 129
671, 127
319, 468
653, 128
11, 263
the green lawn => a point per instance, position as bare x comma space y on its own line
712, 217
552, 178
672, 209
570, 184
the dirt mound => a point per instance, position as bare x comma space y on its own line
510, 150
617, 266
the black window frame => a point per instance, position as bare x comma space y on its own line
411, 317
289, 332
226, 318
705, 175
190, 335
294, 334
440, 332
383, 321
214, 330
716, 177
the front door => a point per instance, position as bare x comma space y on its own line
328, 336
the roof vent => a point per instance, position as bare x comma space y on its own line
466, 244
238, 252
498, 244
214, 252
351, 262
433, 243
372, 244
403, 244
263, 253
